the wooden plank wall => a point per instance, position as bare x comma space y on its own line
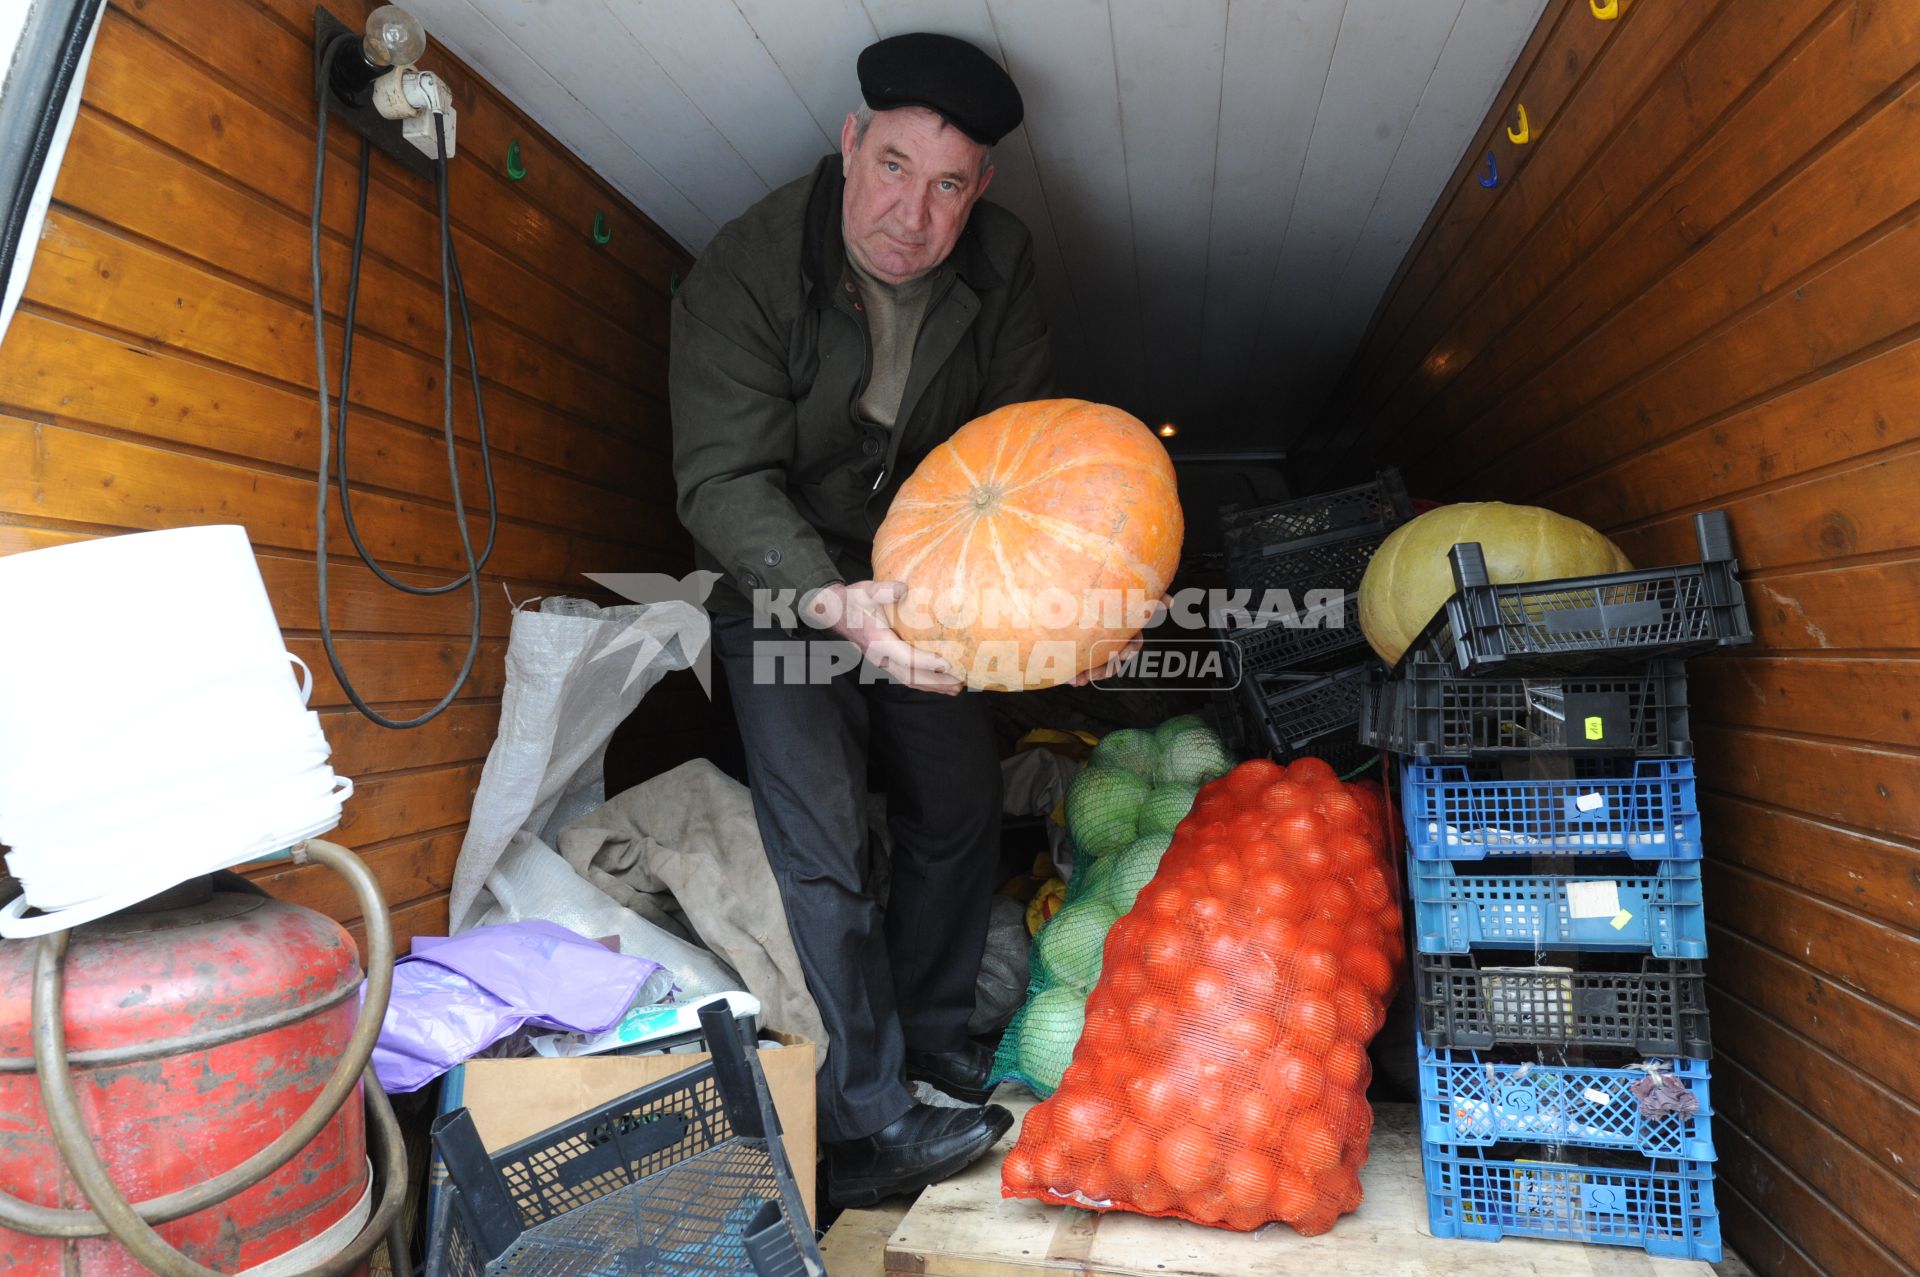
1700, 287
161, 370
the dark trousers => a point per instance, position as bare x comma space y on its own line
907, 983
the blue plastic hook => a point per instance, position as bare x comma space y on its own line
1492, 178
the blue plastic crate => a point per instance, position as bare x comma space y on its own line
1660, 910
1645, 808
1665, 1208
1467, 1100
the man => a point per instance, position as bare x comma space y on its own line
825, 342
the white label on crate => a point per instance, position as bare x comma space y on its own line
1597, 1096
1593, 899
1590, 802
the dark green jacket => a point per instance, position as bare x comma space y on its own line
780, 482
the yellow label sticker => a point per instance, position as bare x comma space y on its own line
1621, 919
1596, 728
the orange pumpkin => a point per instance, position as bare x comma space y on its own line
1033, 542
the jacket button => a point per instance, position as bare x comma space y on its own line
771, 558
751, 579
871, 447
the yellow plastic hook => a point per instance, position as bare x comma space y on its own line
1524, 134
1605, 10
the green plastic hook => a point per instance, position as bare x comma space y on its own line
601, 232
515, 169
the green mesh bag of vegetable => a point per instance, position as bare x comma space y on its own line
1121, 813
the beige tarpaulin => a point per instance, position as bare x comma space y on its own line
686, 843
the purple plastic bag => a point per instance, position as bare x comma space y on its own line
455, 997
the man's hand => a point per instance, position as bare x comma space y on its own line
1114, 665
856, 612
1118, 660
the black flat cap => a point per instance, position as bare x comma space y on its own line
943, 74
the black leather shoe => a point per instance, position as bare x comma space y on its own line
923, 1146
962, 1074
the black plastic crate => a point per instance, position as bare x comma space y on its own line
1222, 713
1425, 708
1378, 506
1318, 638
1656, 1006
1582, 624
1334, 562
683, 1178
1297, 715
1319, 542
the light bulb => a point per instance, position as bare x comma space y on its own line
395, 38
1168, 430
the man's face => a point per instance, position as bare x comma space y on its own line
911, 182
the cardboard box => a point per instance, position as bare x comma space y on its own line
512, 1099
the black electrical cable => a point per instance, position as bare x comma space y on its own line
449, 281
346, 380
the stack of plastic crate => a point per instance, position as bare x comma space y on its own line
1295, 642
1553, 868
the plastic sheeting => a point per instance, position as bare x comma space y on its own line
575, 671
453, 998
531, 881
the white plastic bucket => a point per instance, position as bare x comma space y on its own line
151, 727
172, 739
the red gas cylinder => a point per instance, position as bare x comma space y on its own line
196, 1034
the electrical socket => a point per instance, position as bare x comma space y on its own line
418, 129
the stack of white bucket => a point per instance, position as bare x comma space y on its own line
151, 726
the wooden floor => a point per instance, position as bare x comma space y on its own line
964, 1228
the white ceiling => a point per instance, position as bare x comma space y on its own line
1219, 190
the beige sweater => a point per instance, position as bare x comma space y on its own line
893, 313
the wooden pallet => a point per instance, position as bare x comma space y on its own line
964, 1228
856, 1245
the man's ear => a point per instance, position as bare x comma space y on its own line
986, 180
849, 132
